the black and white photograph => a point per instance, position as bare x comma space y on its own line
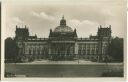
64, 39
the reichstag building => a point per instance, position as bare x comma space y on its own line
63, 44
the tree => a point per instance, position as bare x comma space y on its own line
116, 49
11, 50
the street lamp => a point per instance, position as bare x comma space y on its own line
78, 58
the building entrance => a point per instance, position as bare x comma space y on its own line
62, 51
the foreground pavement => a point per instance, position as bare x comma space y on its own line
83, 62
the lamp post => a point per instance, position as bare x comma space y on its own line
78, 58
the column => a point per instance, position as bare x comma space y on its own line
49, 52
76, 48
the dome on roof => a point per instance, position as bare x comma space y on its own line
63, 27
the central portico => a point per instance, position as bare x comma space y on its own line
62, 42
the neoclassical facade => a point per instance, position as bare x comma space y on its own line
63, 44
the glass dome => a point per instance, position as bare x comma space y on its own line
63, 27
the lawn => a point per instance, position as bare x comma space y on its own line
59, 70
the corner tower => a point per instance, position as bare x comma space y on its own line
21, 33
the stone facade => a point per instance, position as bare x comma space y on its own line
63, 44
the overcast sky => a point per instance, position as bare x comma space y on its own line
84, 15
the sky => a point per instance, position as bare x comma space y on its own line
85, 15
